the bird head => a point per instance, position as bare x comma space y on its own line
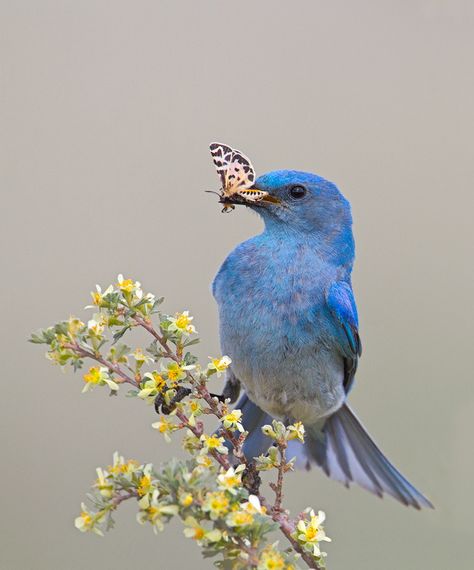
301, 201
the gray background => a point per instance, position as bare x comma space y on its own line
107, 111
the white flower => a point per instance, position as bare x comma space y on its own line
231, 480
218, 365
232, 420
253, 505
311, 533
181, 322
96, 326
296, 431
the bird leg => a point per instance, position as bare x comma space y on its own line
231, 390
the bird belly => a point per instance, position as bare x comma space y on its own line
286, 390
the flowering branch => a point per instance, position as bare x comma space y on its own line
216, 492
122, 376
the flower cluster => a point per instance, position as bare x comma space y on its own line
216, 491
310, 532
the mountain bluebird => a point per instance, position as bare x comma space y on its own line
288, 321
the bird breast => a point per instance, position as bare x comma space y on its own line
275, 326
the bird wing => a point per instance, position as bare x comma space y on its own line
342, 306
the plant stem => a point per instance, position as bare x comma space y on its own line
149, 327
110, 365
221, 459
287, 528
278, 488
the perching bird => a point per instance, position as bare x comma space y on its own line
288, 321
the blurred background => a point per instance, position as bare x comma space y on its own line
107, 111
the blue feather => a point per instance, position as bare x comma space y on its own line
288, 320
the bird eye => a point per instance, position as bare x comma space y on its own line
297, 192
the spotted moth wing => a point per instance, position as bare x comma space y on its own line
234, 168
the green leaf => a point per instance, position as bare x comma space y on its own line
191, 342
77, 364
37, 338
190, 359
119, 334
155, 351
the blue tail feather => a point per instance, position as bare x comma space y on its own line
342, 448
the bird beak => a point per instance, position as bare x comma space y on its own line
271, 199
253, 198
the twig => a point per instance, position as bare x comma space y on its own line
110, 365
149, 327
287, 528
221, 459
278, 515
278, 488
120, 498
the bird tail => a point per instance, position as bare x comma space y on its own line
254, 419
341, 446
345, 452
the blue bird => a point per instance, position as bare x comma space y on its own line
288, 321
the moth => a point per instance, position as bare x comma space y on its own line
236, 173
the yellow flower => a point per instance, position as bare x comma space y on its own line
122, 467
310, 533
296, 431
144, 485
151, 510
74, 325
194, 410
175, 374
165, 426
127, 285
96, 298
175, 371
253, 506
154, 384
271, 560
131, 290
216, 504
181, 322
218, 365
232, 420
214, 443
141, 357
239, 518
129, 467
94, 376
96, 326
204, 461
98, 376
186, 500
231, 480
86, 521
191, 443
106, 488
195, 531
